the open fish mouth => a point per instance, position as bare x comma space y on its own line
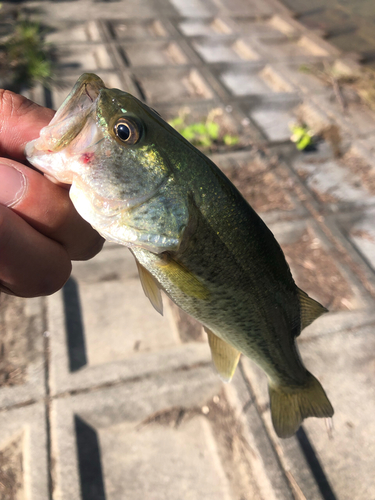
71, 117
73, 128
81, 100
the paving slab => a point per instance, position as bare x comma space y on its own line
224, 51
24, 471
273, 114
22, 363
138, 29
253, 80
339, 184
154, 53
177, 463
251, 8
195, 8
358, 227
215, 26
173, 85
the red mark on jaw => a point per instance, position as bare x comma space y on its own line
87, 157
88, 95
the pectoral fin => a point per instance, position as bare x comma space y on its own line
224, 356
183, 278
151, 288
310, 309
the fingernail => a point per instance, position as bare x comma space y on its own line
12, 185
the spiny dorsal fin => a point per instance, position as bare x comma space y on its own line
184, 279
224, 356
151, 288
310, 309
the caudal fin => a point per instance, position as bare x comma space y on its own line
289, 406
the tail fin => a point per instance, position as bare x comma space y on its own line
289, 406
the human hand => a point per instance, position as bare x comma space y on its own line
40, 230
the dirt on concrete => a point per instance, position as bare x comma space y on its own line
234, 450
362, 169
315, 271
261, 184
17, 334
11, 471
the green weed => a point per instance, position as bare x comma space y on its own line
302, 136
204, 134
26, 58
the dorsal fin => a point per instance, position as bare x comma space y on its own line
310, 309
151, 288
225, 357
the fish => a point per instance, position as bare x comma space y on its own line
139, 183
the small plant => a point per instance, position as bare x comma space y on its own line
204, 134
302, 136
26, 58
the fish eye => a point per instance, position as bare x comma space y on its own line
127, 131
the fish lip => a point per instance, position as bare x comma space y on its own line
81, 100
90, 85
70, 117
92, 91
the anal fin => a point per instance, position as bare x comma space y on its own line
310, 309
225, 357
151, 288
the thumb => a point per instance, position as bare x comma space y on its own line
13, 185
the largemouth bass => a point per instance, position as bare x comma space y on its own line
141, 184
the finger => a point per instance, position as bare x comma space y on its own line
48, 209
20, 122
30, 263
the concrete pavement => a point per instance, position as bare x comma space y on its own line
103, 399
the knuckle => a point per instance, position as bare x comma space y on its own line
91, 248
5, 233
45, 285
50, 284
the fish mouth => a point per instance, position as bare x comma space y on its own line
74, 114
81, 99
71, 117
